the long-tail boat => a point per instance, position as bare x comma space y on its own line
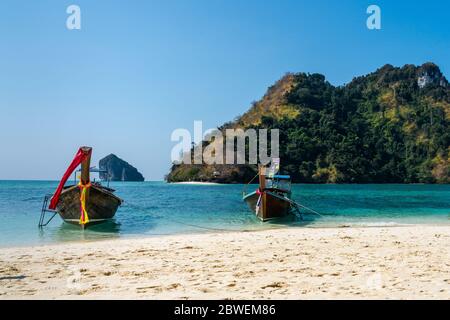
86, 203
272, 199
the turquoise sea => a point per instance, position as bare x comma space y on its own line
157, 208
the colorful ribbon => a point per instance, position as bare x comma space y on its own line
84, 218
79, 158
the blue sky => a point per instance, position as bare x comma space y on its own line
137, 70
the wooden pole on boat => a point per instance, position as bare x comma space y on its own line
262, 186
262, 178
85, 173
85, 169
85, 165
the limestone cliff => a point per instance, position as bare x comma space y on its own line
118, 170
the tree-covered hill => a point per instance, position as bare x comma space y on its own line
390, 126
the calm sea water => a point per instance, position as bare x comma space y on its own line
157, 208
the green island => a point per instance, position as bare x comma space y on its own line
390, 126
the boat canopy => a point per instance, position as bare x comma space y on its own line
94, 170
280, 176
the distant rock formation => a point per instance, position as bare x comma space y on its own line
118, 170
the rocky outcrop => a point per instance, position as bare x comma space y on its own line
429, 74
118, 170
218, 173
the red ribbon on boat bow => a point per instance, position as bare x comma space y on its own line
79, 158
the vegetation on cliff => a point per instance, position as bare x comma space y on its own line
390, 126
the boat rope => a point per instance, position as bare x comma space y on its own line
142, 209
245, 186
253, 178
304, 207
201, 227
84, 218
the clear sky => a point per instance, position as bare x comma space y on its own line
137, 70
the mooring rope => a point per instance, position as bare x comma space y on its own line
305, 207
142, 209
244, 191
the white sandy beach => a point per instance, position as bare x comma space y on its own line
411, 262
197, 183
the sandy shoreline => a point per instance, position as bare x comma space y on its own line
197, 183
410, 262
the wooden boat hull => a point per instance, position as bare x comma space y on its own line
272, 205
101, 206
